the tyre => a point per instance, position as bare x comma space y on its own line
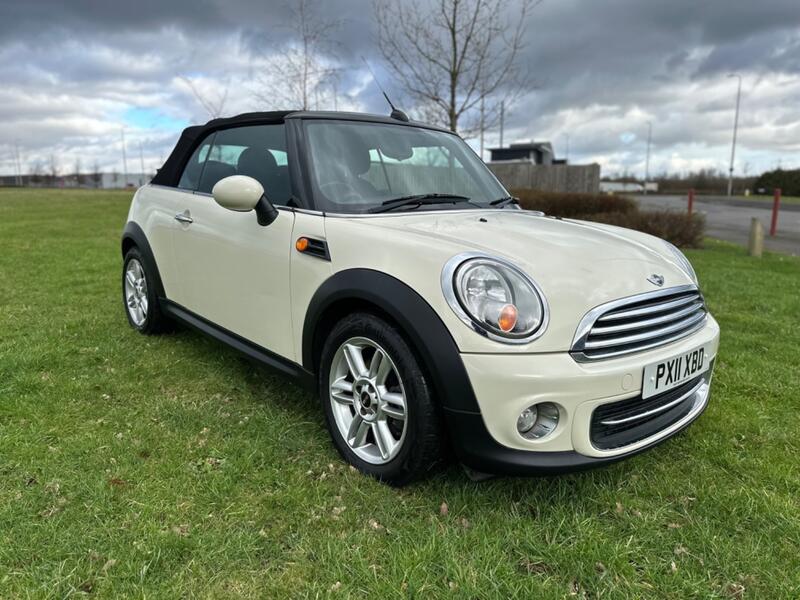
139, 295
377, 403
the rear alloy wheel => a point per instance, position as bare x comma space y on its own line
136, 292
377, 404
139, 297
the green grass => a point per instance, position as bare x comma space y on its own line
768, 199
169, 466
720, 197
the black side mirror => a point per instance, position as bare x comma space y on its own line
266, 213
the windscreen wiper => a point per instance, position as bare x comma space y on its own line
501, 202
418, 200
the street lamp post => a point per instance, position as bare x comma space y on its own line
502, 119
735, 128
124, 160
18, 163
647, 157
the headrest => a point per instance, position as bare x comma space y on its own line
213, 172
253, 161
354, 151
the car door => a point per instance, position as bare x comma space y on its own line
232, 271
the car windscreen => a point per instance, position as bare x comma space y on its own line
357, 166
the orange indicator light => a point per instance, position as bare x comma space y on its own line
301, 244
508, 317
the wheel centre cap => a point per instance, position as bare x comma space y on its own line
366, 397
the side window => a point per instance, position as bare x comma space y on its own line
258, 151
191, 173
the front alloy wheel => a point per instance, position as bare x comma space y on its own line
368, 400
377, 403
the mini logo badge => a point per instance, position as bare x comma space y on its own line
656, 279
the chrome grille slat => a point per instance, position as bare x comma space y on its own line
649, 335
639, 323
647, 310
600, 355
622, 423
654, 411
648, 322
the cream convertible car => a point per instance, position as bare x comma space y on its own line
380, 262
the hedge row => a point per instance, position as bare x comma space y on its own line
683, 230
574, 206
787, 180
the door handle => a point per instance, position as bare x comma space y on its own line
184, 217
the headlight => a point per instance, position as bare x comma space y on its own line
495, 298
683, 262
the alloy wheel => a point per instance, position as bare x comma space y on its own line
136, 292
368, 400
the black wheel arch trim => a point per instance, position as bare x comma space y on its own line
419, 322
133, 233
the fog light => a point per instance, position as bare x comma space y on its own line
526, 420
538, 420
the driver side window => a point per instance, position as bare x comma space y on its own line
190, 178
258, 151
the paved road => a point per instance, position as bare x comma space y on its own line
729, 219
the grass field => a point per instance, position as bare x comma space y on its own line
766, 198
169, 466
770, 199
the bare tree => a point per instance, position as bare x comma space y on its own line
212, 103
96, 176
53, 169
455, 55
36, 172
305, 71
78, 169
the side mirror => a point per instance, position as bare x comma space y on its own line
243, 194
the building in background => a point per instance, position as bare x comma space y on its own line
539, 153
534, 166
113, 180
629, 187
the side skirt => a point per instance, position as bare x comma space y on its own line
253, 351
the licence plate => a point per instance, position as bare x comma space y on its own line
663, 376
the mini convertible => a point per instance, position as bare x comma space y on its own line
381, 263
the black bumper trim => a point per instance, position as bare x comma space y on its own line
477, 449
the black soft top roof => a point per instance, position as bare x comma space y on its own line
170, 173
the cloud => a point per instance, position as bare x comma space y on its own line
75, 73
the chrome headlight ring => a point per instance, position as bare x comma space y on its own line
511, 282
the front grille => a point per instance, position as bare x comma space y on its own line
639, 323
629, 421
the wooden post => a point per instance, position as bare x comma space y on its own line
776, 204
691, 200
756, 246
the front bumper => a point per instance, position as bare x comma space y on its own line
505, 385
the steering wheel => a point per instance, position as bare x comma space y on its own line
340, 190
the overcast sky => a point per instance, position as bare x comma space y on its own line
74, 74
